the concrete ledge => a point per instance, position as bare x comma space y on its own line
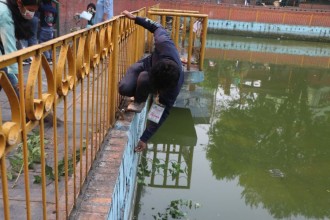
109, 189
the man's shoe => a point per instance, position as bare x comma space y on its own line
26, 62
136, 107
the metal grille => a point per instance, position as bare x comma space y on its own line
49, 137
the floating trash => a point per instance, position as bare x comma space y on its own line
276, 173
257, 83
212, 63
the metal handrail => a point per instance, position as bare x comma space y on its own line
79, 95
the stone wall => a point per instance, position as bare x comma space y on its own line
235, 12
280, 31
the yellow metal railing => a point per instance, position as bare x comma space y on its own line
49, 137
184, 29
66, 109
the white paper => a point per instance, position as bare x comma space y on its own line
85, 15
155, 113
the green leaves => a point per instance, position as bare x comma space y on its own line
175, 170
177, 210
16, 159
34, 157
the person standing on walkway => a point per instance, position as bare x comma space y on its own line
104, 10
160, 74
91, 8
88, 15
33, 40
15, 25
48, 15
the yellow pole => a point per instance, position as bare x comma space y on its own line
5, 188
202, 51
177, 30
24, 135
283, 19
55, 136
173, 29
190, 42
114, 74
257, 16
43, 153
310, 20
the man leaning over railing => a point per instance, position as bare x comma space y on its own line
161, 73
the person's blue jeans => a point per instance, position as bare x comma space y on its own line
103, 7
46, 34
13, 80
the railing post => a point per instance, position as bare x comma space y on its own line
114, 74
202, 52
310, 20
283, 19
257, 16
5, 188
24, 135
177, 30
190, 42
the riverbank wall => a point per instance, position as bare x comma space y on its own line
297, 23
109, 190
241, 17
278, 31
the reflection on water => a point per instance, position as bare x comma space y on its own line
262, 148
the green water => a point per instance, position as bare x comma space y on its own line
248, 139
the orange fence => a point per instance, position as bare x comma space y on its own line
49, 137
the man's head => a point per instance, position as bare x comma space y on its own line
91, 8
164, 75
30, 2
27, 8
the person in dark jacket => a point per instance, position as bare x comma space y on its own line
48, 16
15, 16
161, 74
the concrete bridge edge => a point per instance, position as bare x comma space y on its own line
110, 186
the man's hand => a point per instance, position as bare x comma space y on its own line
129, 15
140, 146
104, 17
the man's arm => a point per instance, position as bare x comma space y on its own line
148, 24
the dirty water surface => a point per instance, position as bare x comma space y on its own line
248, 137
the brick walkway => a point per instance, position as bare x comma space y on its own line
95, 199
